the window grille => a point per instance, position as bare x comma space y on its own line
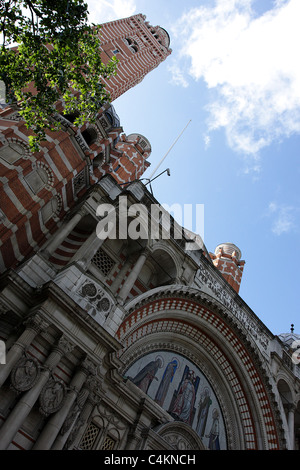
108, 444
89, 437
79, 182
143, 144
103, 262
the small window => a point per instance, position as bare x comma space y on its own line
132, 44
12, 152
79, 182
116, 51
89, 135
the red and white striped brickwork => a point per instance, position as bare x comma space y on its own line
138, 46
66, 165
228, 262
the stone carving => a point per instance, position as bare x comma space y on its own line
52, 396
177, 441
249, 324
25, 374
64, 346
96, 296
36, 322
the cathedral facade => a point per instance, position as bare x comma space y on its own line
115, 337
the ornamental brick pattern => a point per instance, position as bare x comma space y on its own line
227, 260
139, 324
138, 46
72, 159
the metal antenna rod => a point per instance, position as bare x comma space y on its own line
168, 151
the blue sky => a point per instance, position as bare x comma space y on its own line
234, 72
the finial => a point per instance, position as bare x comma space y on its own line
292, 328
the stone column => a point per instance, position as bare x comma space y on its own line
132, 277
133, 441
52, 428
27, 401
63, 232
120, 276
291, 423
80, 426
34, 325
70, 420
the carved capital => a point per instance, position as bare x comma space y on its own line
36, 322
64, 346
89, 367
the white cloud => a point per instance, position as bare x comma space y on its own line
251, 63
178, 77
283, 217
102, 11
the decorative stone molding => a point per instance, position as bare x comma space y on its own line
27, 153
249, 324
180, 436
25, 374
36, 322
89, 367
64, 346
96, 297
3, 308
74, 411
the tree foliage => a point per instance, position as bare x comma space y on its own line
58, 55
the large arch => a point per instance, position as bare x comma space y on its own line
196, 327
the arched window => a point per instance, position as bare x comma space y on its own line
132, 44
98, 160
89, 135
71, 116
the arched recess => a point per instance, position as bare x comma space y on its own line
180, 436
198, 331
159, 270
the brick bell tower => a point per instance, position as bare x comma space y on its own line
138, 46
37, 190
227, 259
